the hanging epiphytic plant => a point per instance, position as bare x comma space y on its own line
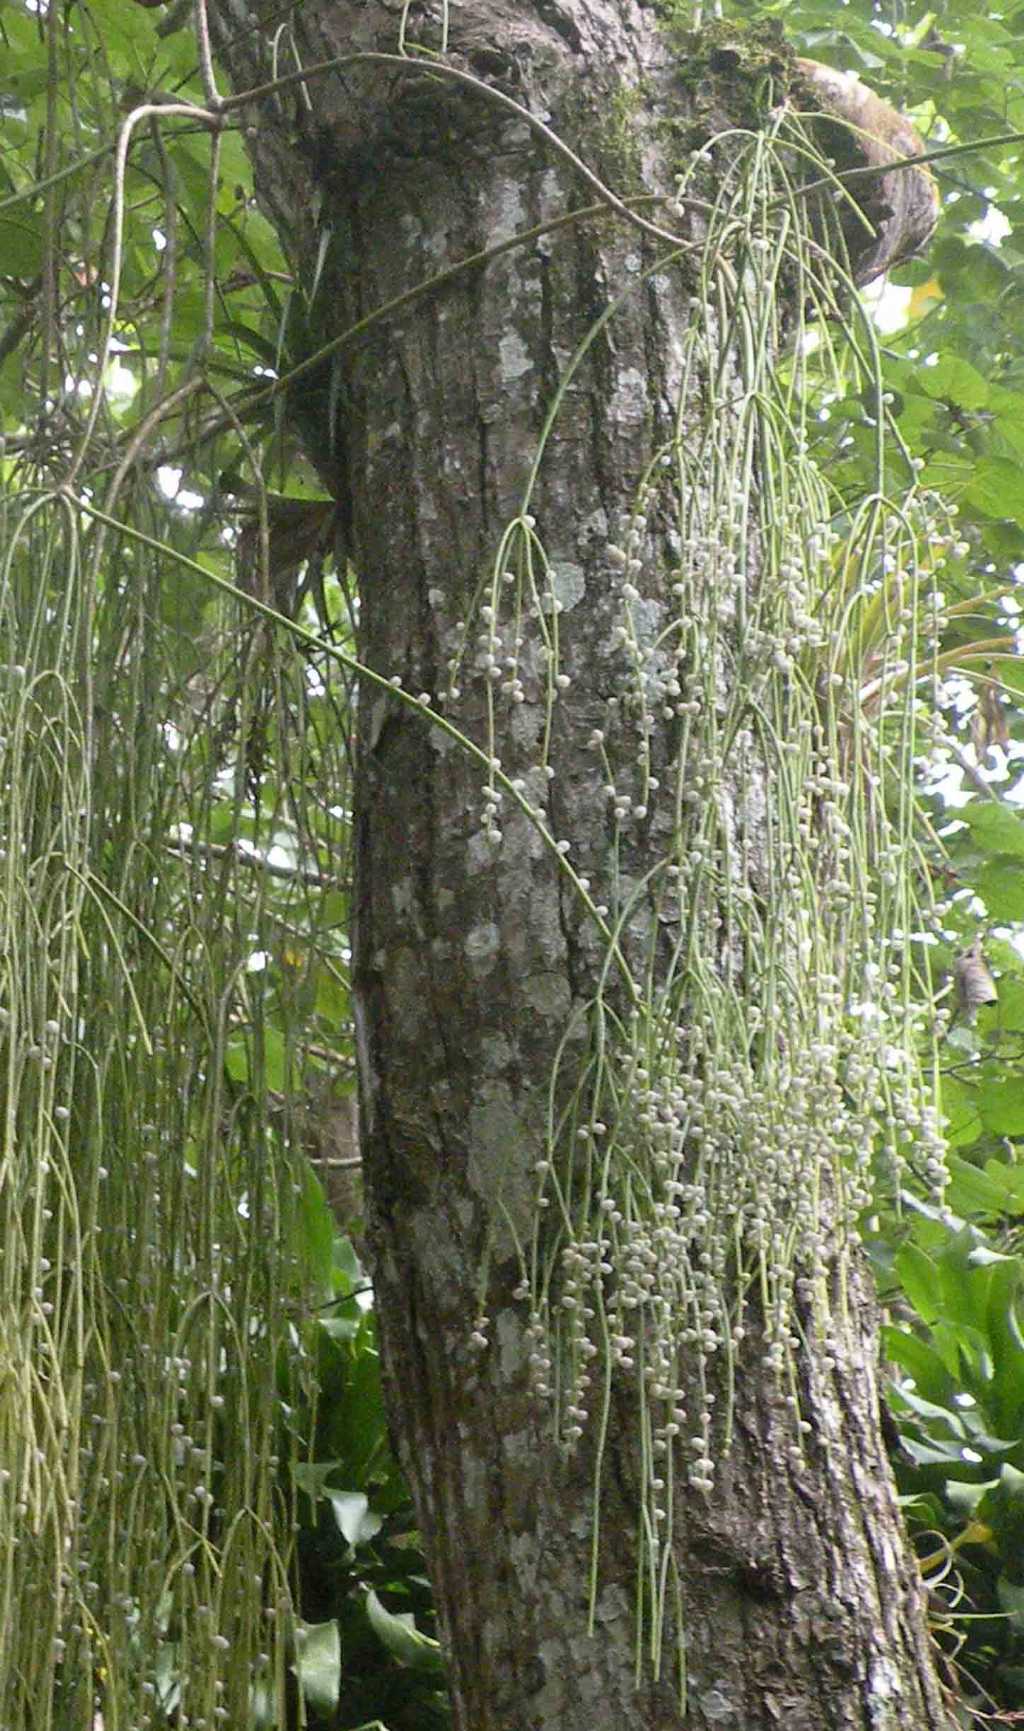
762, 1043
756, 1038
173, 786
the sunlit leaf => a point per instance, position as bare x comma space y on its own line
355, 1519
402, 1638
318, 1663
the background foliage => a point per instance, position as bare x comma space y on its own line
175, 902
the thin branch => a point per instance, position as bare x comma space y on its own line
216, 850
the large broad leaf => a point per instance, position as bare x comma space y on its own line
954, 380
963, 1289
354, 1517
976, 1192
962, 1113
312, 1476
318, 1230
1000, 883
996, 487
1001, 1103
401, 1637
275, 1059
999, 827
940, 1418
965, 1497
1004, 1331
129, 37
318, 1663
919, 1278
1010, 1011
21, 245
931, 1453
921, 1362
1012, 1180
348, 1273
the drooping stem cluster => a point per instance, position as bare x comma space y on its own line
757, 1050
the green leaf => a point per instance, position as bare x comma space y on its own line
21, 246
401, 1637
959, 1345
962, 1290
1009, 670
919, 1361
999, 828
1011, 1178
1001, 1102
236, 1061
918, 1276
996, 487
965, 1496
332, 1000
318, 1663
341, 1327
941, 1417
348, 1271
972, 1191
353, 1515
1000, 884
924, 1506
931, 1453
954, 380
128, 34
1010, 1008
275, 1059
312, 1476
317, 1223
223, 821
1011, 1598
960, 1106
254, 341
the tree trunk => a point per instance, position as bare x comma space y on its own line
478, 960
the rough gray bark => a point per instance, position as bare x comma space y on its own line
800, 1604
